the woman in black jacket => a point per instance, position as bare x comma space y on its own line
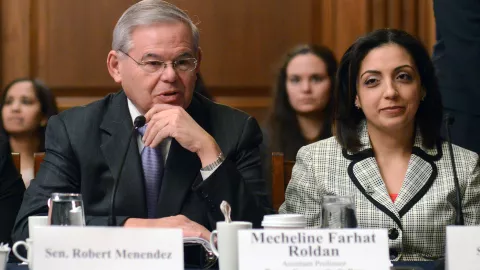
11, 191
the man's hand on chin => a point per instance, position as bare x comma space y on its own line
164, 120
190, 228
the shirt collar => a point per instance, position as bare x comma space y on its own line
134, 112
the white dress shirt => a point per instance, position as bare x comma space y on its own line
164, 145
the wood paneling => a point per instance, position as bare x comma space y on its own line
242, 40
325, 19
394, 11
65, 43
379, 13
426, 25
16, 37
350, 23
74, 40
338, 23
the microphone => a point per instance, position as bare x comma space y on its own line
112, 218
459, 216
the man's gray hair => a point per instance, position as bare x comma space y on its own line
148, 12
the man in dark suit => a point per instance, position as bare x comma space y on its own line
205, 152
457, 60
11, 191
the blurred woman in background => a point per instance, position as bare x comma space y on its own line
25, 106
387, 152
301, 109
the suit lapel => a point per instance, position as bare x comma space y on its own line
418, 173
181, 170
367, 173
421, 173
116, 126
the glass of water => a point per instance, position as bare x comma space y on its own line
338, 212
66, 209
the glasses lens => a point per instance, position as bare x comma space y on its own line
153, 66
185, 64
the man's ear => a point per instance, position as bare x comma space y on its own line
113, 66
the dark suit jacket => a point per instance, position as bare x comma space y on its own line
457, 53
85, 145
11, 191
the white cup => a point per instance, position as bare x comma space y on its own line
33, 222
29, 247
36, 221
4, 252
227, 242
284, 221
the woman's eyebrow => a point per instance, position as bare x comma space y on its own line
370, 71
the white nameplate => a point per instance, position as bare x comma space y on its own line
358, 249
463, 247
80, 248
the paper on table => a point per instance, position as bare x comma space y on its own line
197, 241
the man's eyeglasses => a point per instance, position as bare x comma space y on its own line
153, 66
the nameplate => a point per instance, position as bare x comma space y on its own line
463, 247
80, 248
321, 249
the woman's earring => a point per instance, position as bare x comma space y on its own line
424, 94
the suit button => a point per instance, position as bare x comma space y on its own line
393, 234
393, 254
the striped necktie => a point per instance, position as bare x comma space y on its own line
152, 163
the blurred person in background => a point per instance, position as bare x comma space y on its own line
25, 106
301, 109
11, 191
387, 151
456, 57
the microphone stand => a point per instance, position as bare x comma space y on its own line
112, 218
459, 215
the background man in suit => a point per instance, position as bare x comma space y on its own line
457, 60
11, 191
206, 152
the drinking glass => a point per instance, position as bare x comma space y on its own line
338, 212
66, 209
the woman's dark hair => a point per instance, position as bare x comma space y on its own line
283, 128
47, 103
347, 117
